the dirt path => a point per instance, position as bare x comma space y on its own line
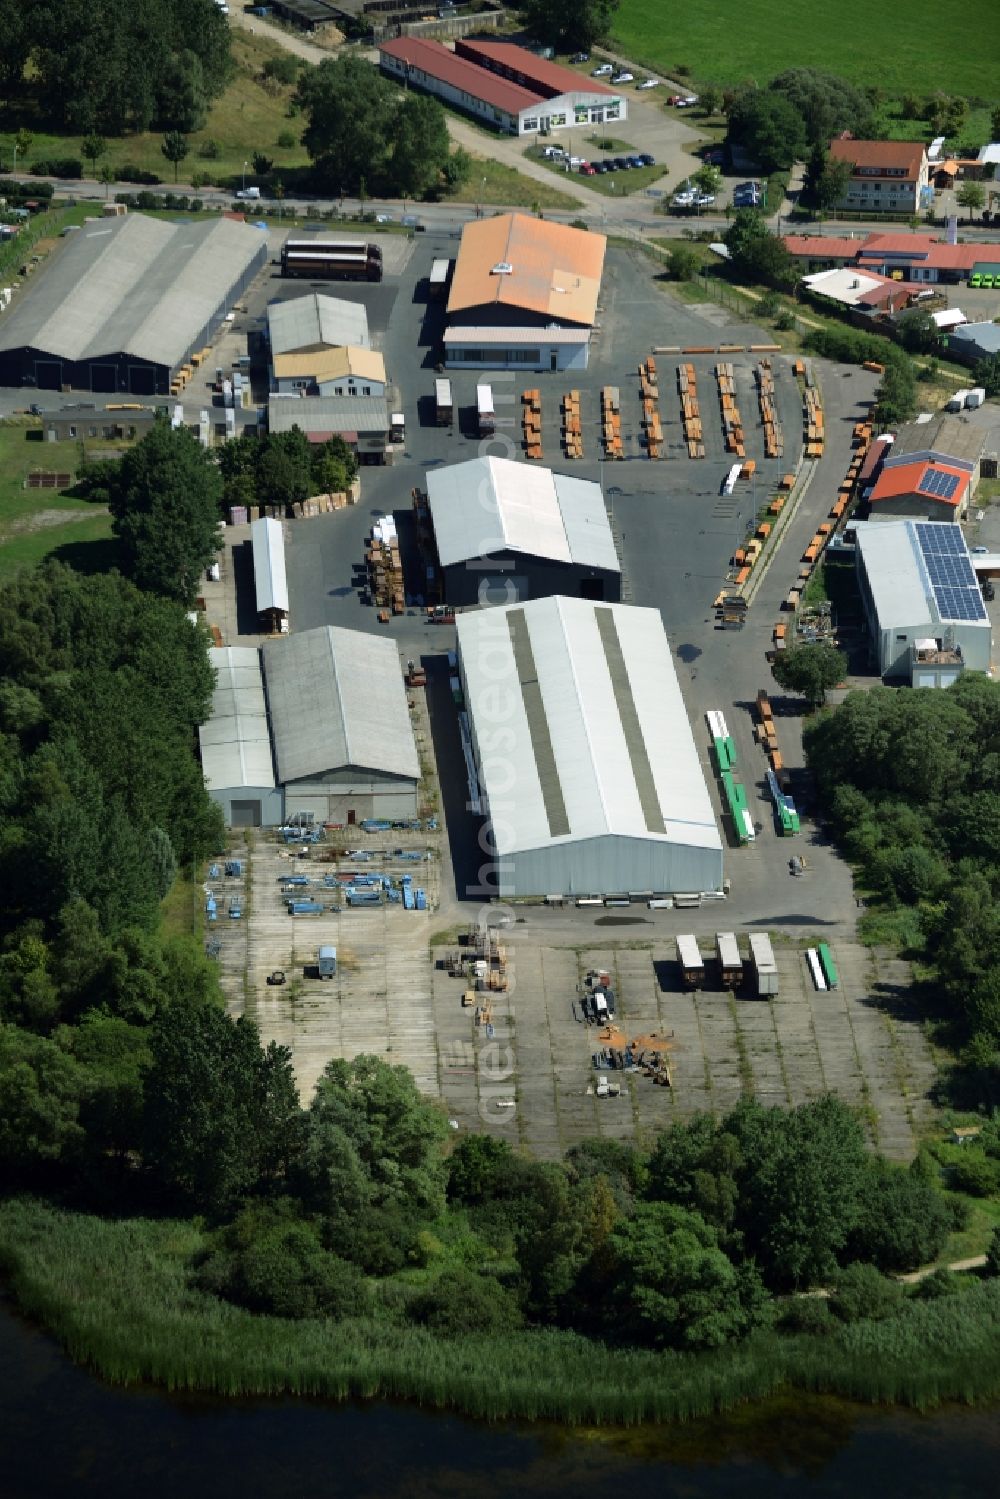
914, 1278
298, 46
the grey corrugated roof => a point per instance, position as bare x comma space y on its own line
901, 587
328, 414
337, 699
946, 435
984, 336
304, 324
495, 504
597, 738
235, 743
135, 285
270, 583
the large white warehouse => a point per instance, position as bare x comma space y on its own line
588, 770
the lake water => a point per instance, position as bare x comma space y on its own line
64, 1433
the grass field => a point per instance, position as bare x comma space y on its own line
498, 186
726, 41
35, 523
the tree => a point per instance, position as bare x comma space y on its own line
896, 397
826, 104
903, 1220
708, 179
16, 30
40, 1091
22, 139
165, 501
993, 1250
810, 670
174, 147
420, 145
987, 374
672, 1285
221, 1113
568, 24
459, 1302
684, 263
769, 127
801, 1178
756, 254
711, 100
971, 195
107, 178
261, 164
831, 189
995, 124
92, 147
271, 1261
476, 1169
862, 1293
349, 111
917, 331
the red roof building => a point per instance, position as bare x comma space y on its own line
504, 86
921, 490
889, 176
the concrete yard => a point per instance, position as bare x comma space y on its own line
532, 1079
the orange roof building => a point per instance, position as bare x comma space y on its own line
921, 490
518, 279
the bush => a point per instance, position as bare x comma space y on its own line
863, 1294
129, 172
939, 1283
210, 150
785, 322
806, 1314
683, 263
460, 1302
269, 1262
57, 166
287, 141
974, 1174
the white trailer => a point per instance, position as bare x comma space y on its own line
485, 413
727, 953
439, 278
764, 966
443, 402
816, 969
692, 964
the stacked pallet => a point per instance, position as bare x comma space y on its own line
687, 386
531, 419
732, 422
773, 445
812, 420
572, 432
651, 424
611, 422
767, 734
861, 437
385, 569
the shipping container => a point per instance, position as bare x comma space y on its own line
485, 413
443, 402
439, 278
764, 967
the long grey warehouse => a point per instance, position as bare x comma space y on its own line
125, 302
236, 756
588, 770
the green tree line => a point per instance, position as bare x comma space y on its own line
114, 66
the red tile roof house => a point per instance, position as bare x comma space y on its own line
886, 176
911, 257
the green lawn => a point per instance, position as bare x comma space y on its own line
35, 523
611, 184
726, 41
496, 185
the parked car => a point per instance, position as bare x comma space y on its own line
588, 170
636, 161
646, 159
580, 57
683, 199
623, 78
976, 280
602, 71
980, 551
620, 163
649, 83
608, 163
716, 157
704, 200
600, 167
687, 101
578, 161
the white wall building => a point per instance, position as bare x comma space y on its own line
587, 767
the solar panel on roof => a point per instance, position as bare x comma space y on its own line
936, 482
940, 538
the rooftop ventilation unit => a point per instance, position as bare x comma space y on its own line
502, 268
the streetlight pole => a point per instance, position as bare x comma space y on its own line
244, 176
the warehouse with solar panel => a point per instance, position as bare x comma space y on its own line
923, 602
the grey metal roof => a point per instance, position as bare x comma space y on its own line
496, 504
901, 587
982, 336
597, 738
235, 743
337, 699
328, 414
270, 583
305, 324
946, 435
133, 285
